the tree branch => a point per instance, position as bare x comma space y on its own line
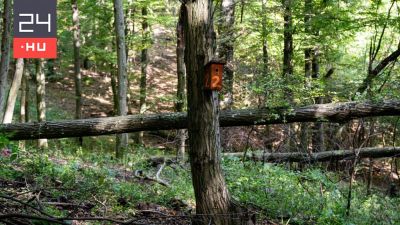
319, 156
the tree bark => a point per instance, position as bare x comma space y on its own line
24, 118
264, 35
144, 62
25, 94
304, 127
212, 196
320, 156
12, 95
122, 139
40, 98
318, 137
227, 50
77, 59
334, 112
77, 62
5, 56
130, 60
287, 42
114, 89
308, 49
181, 72
288, 64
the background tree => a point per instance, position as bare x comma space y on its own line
77, 61
41, 97
144, 60
12, 95
181, 73
226, 48
122, 139
5, 55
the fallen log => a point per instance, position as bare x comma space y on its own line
334, 112
319, 156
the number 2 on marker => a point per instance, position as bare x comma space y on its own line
215, 81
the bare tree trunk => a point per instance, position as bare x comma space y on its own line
265, 59
122, 139
12, 94
226, 52
288, 64
265, 38
24, 101
288, 43
40, 97
318, 138
129, 34
212, 196
5, 56
25, 94
77, 59
144, 63
181, 72
129, 27
114, 89
307, 69
77, 62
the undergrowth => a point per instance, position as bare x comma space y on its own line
84, 175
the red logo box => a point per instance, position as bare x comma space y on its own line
35, 48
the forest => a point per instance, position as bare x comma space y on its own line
224, 112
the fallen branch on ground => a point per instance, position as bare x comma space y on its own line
319, 156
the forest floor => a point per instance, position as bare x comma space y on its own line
75, 183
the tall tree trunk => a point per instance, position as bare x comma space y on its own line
181, 72
24, 101
25, 94
40, 97
212, 196
77, 62
12, 95
265, 68
122, 139
318, 138
129, 27
308, 8
226, 52
129, 34
288, 63
5, 56
264, 35
307, 69
77, 59
114, 88
144, 62
288, 42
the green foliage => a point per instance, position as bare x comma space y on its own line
312, 196
342, 31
